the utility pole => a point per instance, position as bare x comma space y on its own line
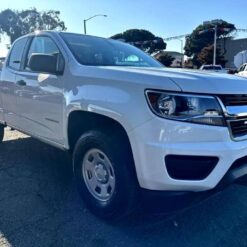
215, 23
182, 52
215, 44
85, 27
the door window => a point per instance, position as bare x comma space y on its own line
16, 54
43, 45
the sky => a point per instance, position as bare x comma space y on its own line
164, 18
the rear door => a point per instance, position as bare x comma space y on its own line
40, 97
8, 86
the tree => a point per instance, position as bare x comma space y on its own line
207, 53
142, 39
164, 58
203, 36
18, 23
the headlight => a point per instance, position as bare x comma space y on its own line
186, 107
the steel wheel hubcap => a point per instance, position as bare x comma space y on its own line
98, 174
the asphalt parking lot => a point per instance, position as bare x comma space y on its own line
39, 206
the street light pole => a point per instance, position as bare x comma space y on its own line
182, 52
85, 21
85, 27
215, 23
215, 44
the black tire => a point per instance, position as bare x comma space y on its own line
1, 132
124, 198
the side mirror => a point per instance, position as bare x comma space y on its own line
45, 63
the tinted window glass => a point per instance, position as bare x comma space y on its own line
242, 68
212, 67
96, 51
42, 45
16, 54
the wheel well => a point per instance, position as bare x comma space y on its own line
80, 122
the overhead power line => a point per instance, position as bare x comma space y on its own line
185, 35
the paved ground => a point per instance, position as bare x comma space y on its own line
39, 206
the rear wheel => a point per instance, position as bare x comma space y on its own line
104, 174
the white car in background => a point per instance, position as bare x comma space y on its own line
243, 70
213, 68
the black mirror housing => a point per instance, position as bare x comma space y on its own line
44, 63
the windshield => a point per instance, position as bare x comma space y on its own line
212, 67
94, 51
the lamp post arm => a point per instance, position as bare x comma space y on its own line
85, 21
94, 17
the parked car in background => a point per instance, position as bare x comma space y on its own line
214, 68
243, 70
131, 125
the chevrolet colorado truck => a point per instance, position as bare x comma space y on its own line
130, 124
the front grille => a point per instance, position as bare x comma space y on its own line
238, 127
235, 106
234, 100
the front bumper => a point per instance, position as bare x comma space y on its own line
170, 201
157, 138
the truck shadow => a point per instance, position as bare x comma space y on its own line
39, 206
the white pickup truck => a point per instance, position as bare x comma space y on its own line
130, 124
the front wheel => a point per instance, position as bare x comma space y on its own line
104, 173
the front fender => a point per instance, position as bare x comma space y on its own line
128, 107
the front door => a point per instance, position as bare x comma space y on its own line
40, 98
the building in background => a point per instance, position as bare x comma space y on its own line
230, 48
178, 58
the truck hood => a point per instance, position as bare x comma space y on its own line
193, 81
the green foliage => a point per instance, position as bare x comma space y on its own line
134, 35
143, 39
164, 58
207, 53
18, 23
201, 38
